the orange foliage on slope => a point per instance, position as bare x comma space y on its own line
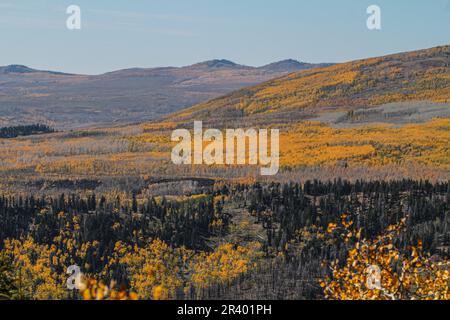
412, 76
311, 144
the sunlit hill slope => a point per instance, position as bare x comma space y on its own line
414, 76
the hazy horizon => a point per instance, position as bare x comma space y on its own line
156, 33
165, 66
235, 62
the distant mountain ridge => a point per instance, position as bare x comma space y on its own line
130, 95
288, 65
21, 69
217, 63
16, 68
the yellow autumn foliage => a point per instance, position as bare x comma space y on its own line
224, 264
378, 270
312, 144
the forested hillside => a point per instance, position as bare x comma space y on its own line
413, 76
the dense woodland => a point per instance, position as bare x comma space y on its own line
26, 130
204, 246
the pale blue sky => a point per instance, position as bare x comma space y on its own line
119, 34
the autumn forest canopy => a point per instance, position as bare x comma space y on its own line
234, 236
359, 209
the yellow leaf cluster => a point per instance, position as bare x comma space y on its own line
403, 275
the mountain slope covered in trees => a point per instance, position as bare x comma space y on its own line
422, 75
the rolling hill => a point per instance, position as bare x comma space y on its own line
131, 95
417, 76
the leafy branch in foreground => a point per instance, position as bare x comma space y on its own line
378, 270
